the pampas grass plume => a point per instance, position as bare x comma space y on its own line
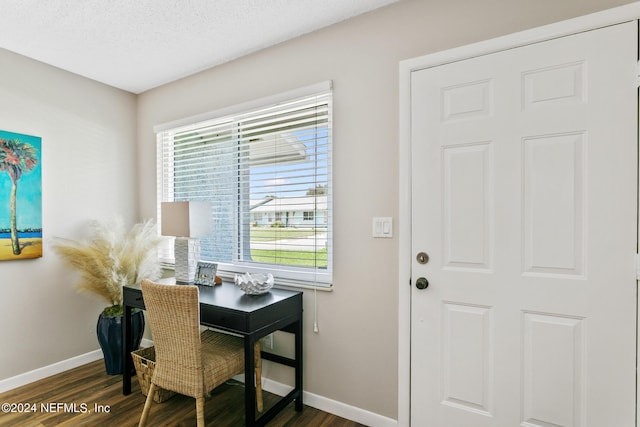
113, 257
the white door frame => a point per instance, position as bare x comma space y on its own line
588, 22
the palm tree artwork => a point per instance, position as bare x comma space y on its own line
19, 156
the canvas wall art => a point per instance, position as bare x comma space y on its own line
20, 196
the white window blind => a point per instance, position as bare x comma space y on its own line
267, 173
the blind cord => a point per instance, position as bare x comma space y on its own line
315, 310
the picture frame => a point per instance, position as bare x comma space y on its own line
206, 273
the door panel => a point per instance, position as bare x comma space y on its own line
524, 197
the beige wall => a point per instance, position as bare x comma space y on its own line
354, 357
88, 172
95, 165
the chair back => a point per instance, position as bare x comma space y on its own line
173, 312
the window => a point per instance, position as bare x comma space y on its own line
266, 170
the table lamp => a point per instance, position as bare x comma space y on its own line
187, 221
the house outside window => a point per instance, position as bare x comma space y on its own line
266, 170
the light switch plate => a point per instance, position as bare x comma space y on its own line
382, 227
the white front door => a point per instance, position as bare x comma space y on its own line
524, 195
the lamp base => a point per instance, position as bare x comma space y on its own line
186, 253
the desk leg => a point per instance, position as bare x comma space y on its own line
249, 386
126, 350
298, 368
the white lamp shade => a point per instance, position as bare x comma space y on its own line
185, 219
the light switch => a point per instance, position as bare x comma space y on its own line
382, 227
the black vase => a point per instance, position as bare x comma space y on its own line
109, 331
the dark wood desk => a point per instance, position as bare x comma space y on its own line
227, 308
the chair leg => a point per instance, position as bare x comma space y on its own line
200, 411
258, 364
147, 405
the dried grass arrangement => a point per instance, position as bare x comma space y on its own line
111, 258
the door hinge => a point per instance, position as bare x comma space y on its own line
637, 266
638, 74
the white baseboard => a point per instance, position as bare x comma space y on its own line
331, 406
325, 404
47, 371
55, 368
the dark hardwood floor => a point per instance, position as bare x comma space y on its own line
87, 396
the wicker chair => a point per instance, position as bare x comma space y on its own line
187, 361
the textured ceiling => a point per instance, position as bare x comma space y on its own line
136, 45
